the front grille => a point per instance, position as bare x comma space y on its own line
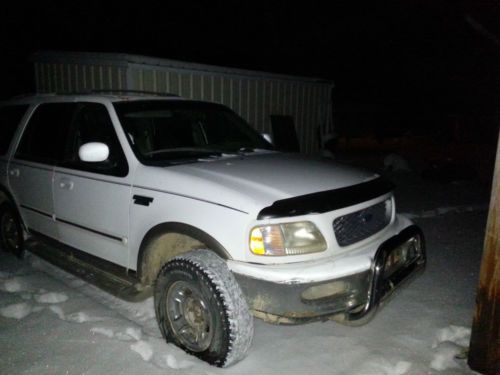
361, 224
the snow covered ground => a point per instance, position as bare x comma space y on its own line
54, 323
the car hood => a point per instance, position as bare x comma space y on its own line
251, 182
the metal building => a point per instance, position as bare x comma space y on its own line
271, 103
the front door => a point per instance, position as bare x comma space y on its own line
92, 200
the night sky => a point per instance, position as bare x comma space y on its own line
409, 56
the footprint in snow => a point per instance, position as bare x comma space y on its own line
51, 297
129, 334
19, 310
103, 331
82, 317
77, 283
143, 349
58, 311
382, 366
14, 285
175, 364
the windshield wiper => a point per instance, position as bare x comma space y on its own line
183, 151
181, 154
243, 150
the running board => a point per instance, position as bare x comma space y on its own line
104, 275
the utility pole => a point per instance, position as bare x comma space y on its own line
484, 351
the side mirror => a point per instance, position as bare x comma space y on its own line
267, 137
93, 152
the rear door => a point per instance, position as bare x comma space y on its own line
92, 199
31, 170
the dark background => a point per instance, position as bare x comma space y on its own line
398, 67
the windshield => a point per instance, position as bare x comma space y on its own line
181, 131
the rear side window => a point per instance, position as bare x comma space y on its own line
44, 138
10, 117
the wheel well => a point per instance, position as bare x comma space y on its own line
167, 240
5, 195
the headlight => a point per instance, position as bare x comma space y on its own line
287, 239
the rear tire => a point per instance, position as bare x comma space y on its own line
200, 308
11, 231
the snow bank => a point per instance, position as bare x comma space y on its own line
444, 358
456, 334
450, 345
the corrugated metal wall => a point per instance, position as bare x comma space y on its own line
254, 98
72, 78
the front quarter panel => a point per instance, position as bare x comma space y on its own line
224, 224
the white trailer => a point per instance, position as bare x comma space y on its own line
269, 102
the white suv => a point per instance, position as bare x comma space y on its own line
181, 199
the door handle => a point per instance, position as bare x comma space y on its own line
66, 184
14, 172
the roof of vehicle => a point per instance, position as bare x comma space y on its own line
113, 96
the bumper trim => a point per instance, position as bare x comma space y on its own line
350, 297
284, 303
383, 286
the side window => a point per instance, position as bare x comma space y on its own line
93, 124
10, 117
44, 137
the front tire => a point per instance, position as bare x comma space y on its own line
11, 231
200, 308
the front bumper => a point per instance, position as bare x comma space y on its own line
354, 295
